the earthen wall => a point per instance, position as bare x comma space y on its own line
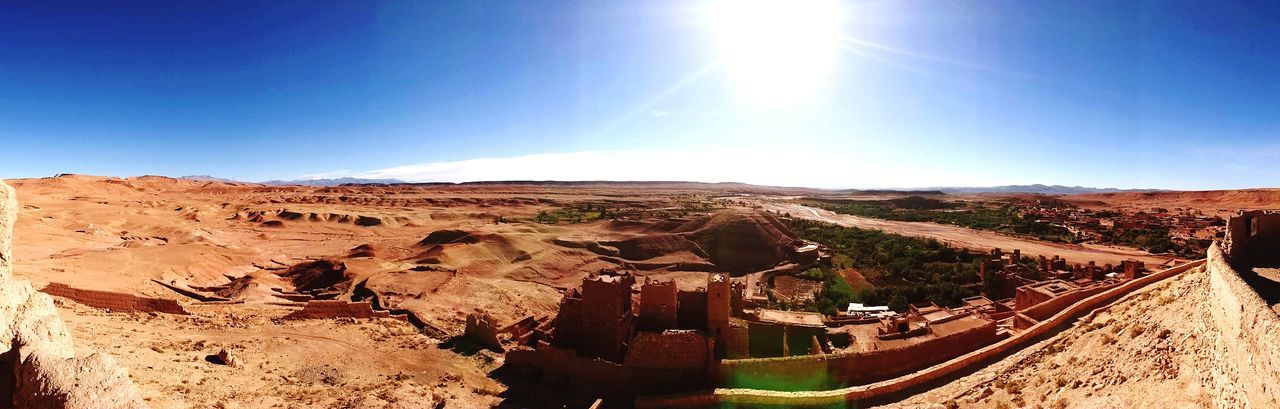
567, 332
1252, 327
116, 302
329, 309
1253, 237
748, 397
1046, 309
565, 368
688, 350
692, 311
658, 306
816, 372
606, 317
800, 339
766, 339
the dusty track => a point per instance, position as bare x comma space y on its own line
969, 238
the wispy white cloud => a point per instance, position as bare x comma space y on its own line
774, 167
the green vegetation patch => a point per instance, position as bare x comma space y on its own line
903, 269
982, 216
579, 213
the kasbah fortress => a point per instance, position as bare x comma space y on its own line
610, 339
624, 339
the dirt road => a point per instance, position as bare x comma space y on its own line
970, 238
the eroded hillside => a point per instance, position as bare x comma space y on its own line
244, 260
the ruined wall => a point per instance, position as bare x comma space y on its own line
685, 349
483, 329
692, 312
766, 340
563, 367
736, 342
658, 306
116, 302
38, 364
1253, 238
771, 340
606, 313
567, 332
1250, 328
800, 339
329, 309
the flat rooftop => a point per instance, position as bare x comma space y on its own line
978, 302
808, 319
864, 335
1052, 288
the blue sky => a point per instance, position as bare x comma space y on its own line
917, 93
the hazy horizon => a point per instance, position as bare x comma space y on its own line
344, 179
825, 94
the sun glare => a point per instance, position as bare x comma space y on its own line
777, 51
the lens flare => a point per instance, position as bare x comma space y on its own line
777, 52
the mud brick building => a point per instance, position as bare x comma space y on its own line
658, 302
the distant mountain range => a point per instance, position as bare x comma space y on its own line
208, 178
1005, 189
1038, 189
331, 182
299, 182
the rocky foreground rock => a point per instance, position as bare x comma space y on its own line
39, 367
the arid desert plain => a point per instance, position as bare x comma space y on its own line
409, 264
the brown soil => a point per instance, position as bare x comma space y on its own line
438, 253
1209, 201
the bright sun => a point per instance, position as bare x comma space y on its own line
777, 51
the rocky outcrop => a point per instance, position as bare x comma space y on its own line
39, 368
225, 357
